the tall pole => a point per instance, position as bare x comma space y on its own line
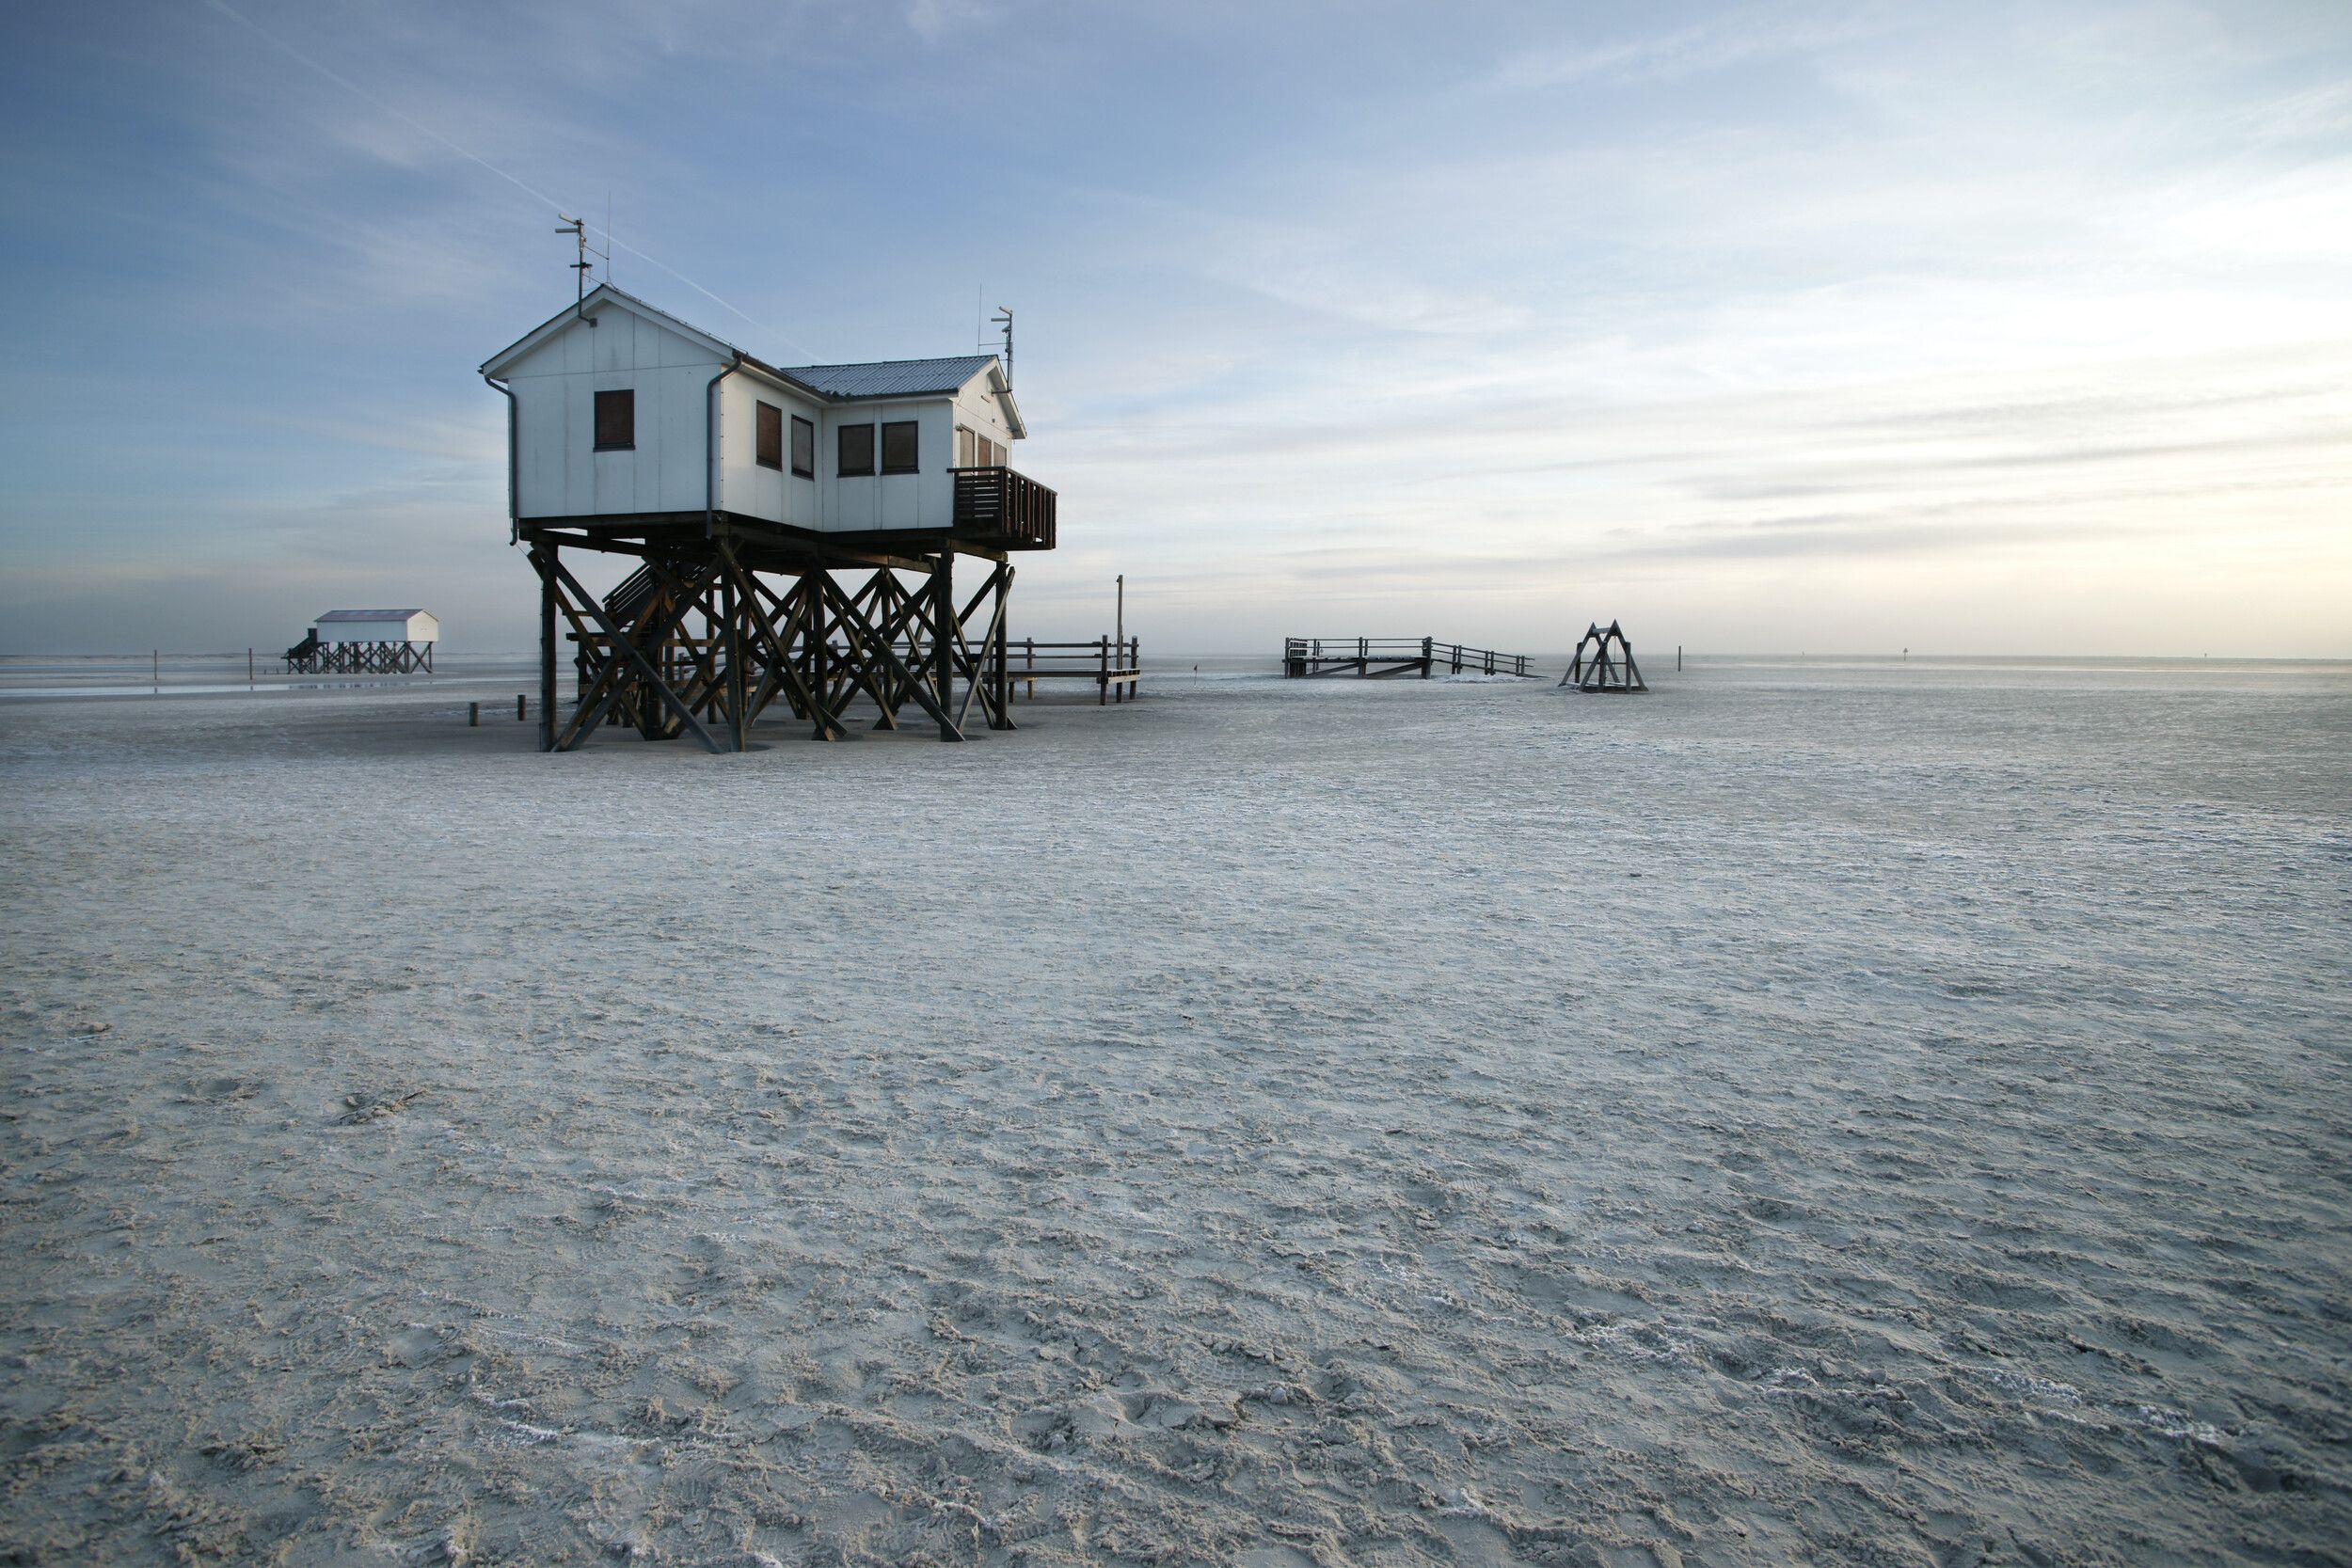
1120, 631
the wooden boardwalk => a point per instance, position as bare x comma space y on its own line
1381, 658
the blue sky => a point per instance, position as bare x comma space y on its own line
1969, 328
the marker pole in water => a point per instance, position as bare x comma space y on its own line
473, 714
1677, 658
521, 711
155, 668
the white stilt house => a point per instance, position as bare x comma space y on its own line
744, 488
622, 411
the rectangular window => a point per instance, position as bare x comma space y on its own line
967, 449
616, 421
992, 455
803, 448
856, 454
899, 447
770, 436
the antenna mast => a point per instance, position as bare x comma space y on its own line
1003, 317
578, 232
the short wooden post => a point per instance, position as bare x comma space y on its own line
473, 714
155, 667
1429, 659
248, 667
1103, 694
522, 707
1679, 658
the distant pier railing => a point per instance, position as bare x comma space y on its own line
1380, 657
1115, 667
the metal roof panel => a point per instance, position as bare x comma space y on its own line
892, 377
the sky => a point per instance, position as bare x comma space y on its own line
1969, 328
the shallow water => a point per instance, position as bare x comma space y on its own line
1836, 1112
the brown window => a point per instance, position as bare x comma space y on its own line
967, 451
856, 454
803, 448
899, 447
770, 436
992, 455
616, 421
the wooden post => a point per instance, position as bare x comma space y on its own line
473, 715
248, 667
521, 707
1102, 681
732, 614
155, 669
943, 637
1428, 657
542, 557
1000, 655
816, 641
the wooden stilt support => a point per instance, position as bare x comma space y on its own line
540, 557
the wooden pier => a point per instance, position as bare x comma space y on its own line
1382, 658
1114, 668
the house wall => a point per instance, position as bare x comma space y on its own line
923, 499
557, 471
744, 486
980, 410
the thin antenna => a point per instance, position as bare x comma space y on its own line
608, 233
578, 232
1003, 317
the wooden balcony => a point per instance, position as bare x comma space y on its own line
1004, 507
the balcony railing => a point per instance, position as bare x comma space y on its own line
1001, 504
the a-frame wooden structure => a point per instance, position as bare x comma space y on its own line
1596, 668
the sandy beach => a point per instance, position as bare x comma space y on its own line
1842, 1114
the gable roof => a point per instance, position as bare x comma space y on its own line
605, 294
368, 615
876, 378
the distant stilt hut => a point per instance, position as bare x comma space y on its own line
367, 642
1604, 663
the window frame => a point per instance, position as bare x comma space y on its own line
767, 433
914, 464
800, 470
840, 452
628, 396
